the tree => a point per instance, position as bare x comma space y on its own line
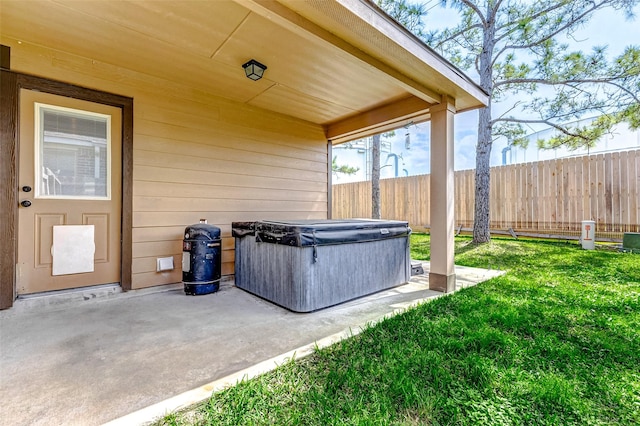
514, 47
344, 169
376, 211
375, 177
410, 16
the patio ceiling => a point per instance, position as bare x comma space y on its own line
341, 64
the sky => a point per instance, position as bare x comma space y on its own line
606, 27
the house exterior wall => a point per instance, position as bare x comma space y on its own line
197, 156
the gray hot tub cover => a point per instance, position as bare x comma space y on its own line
304, 233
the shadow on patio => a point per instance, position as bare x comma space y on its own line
134, 356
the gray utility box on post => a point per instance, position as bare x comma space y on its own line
312, 264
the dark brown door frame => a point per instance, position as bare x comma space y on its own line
10, 85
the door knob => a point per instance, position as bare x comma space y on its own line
26, 188
25, 203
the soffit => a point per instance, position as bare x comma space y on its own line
318, 69
365, 26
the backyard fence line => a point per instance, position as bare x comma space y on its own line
546, 197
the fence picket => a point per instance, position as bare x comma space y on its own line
616, 212
550, 197
634, 188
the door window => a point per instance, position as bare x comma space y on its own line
73, 157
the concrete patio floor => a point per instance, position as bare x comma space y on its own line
97, 355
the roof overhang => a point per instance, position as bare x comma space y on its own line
342, 64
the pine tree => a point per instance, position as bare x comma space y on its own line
515, 49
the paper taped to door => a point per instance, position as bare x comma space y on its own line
73, 249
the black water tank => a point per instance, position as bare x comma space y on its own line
201, 258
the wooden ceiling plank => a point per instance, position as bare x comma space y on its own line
173, 23
309, 67
65, 30
306, 107
299, 25
416, 47
366, 26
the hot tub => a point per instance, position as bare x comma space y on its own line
307, 265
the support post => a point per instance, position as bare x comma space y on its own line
329, 180
442, 275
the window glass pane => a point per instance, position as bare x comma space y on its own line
73, 154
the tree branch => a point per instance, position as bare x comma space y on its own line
552, 34
455, 35
633, 95
476, 9
533, 17
496, 8
507, 111
561, 129
543, 81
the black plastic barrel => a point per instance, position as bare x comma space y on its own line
201, 258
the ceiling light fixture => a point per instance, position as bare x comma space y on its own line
254, 69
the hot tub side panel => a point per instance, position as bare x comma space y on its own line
271, 271
289, 276
347, 271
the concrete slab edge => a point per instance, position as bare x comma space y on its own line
72, 298
184, 400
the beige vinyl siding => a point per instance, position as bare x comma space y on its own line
198, 156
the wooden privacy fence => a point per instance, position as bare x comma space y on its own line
548, 197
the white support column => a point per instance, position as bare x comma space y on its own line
442, 275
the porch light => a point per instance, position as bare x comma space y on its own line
254, 69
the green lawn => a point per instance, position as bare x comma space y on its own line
555, 341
